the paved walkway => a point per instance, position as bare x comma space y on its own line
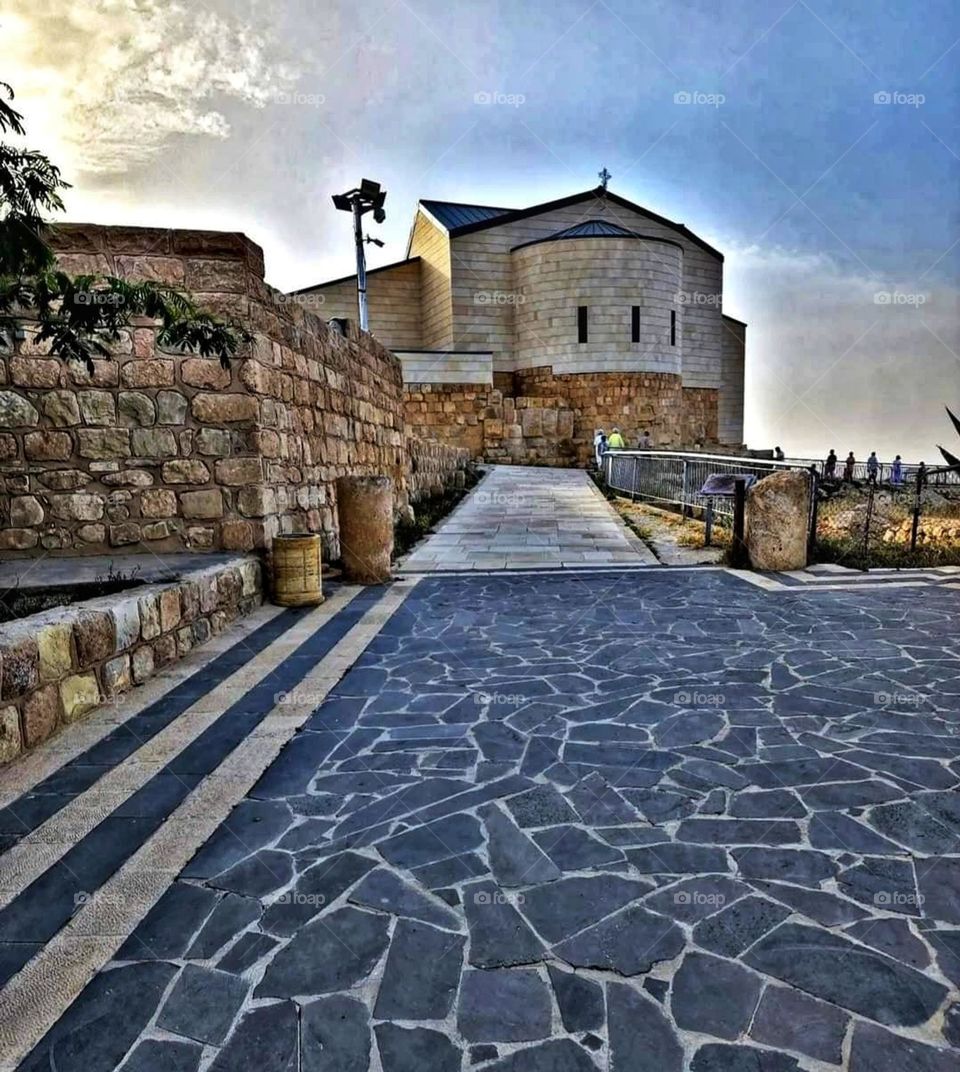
520, 517
644, 821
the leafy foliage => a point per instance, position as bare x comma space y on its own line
79, 316
952, 459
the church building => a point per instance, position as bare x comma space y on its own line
522, 331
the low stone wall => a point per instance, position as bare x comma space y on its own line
58, 665
434, 468
160, 451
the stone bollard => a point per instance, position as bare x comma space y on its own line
365, 509
296, 570
778, 521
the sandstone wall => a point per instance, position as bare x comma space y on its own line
434, 468
61, 663
161, 451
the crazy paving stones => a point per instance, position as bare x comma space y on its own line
421, 975
264, 1041
871, 984
629, 942
580, 1000
334, 1036
789, 1020
713, 996
384, 890
499, 937
560, 909
504, 1005
738, 926
641, 1038
203, 1004
332, 953
416, 1049
515, 859
451, 836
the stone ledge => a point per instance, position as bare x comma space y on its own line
60, 664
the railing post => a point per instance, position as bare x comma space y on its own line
708, 524
916, 514
814, 492
739, 548
685, 508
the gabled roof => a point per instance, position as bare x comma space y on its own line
598, 194
455, 214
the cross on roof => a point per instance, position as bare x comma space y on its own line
605, 177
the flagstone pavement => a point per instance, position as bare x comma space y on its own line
573, 821
528, 518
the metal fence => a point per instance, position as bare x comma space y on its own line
676, 478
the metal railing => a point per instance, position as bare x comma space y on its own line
676, 478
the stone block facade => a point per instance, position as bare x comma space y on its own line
536, 417
59, 664
156, 450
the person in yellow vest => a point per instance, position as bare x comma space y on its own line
615, 442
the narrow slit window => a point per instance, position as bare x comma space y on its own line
635, 323
581, 323
673, 327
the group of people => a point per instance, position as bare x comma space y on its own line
615, 441
897, 473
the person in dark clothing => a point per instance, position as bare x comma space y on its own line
848, 468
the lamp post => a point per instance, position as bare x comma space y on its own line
367, 197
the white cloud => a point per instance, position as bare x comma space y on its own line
844, 360
110, 81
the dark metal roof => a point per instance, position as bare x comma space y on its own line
597, 229
455, 214
597, 194
592, 229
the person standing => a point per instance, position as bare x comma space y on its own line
848, 468
645, 441
599, 445
873, 467
778, 454
615, 442
830, 465
896, 472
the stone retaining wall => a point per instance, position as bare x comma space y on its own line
434, 468
535, 417
57, 665
161, 451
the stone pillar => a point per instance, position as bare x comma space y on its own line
365, 508
777, 521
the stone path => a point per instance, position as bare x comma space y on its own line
642, 821
525, 518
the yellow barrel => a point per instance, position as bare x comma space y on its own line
296, 570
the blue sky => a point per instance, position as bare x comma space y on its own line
248, 116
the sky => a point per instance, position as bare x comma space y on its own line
815, 143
